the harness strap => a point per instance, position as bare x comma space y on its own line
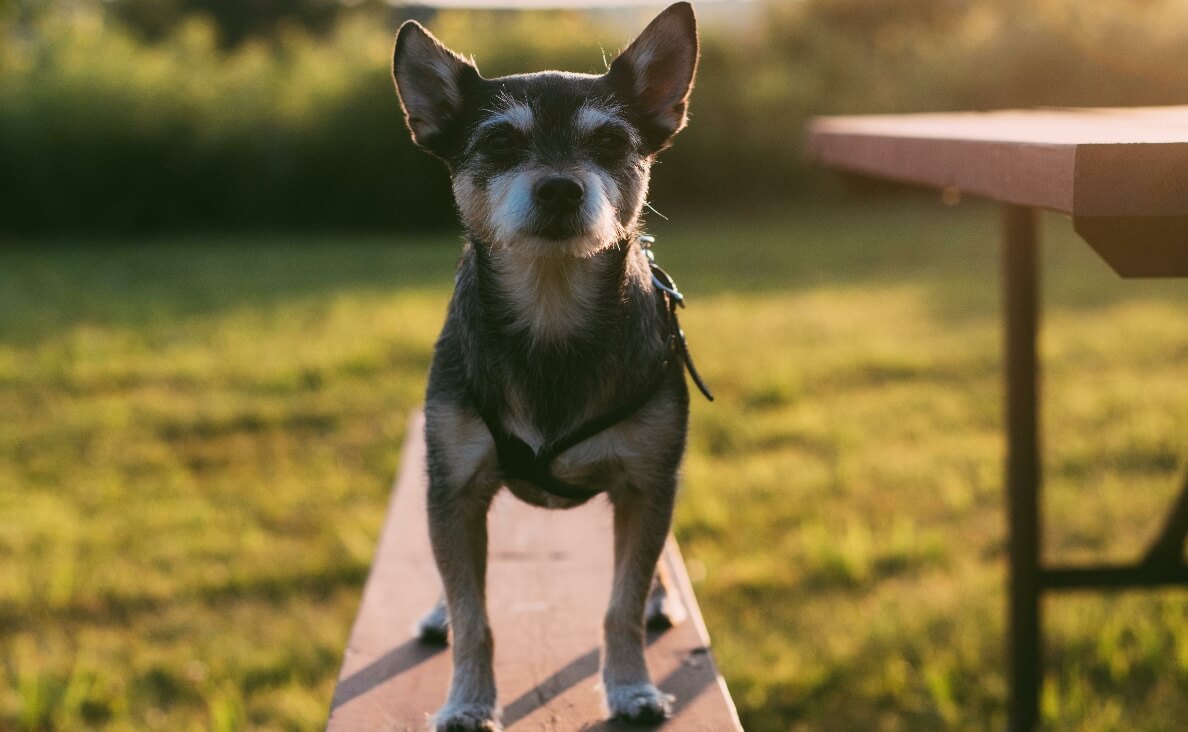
518, 461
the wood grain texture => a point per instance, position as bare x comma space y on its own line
1122, 174
549, 581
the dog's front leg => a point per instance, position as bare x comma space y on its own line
458, 532
641, 526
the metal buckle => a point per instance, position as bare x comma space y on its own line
661, 280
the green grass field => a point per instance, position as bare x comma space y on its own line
198, 435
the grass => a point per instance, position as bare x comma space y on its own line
198, 437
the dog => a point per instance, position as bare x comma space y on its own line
559, 372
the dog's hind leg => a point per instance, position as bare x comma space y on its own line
665, 609
641, 527
434, 626
458, 531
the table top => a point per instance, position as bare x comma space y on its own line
1122, 174
1084, 162
1042, 126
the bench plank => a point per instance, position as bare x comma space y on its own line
549, 580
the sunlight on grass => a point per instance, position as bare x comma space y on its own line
200, 436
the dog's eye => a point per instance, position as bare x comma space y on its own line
499, 142
611, 142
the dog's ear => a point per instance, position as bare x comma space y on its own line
429, 82
655, 72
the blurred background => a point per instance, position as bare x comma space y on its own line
223, 265
133, 116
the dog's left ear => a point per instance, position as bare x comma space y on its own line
655, 73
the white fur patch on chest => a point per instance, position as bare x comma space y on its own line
549, 296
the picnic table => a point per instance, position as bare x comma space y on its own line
1122, 176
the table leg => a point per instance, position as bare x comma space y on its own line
1169, 546
1021, 307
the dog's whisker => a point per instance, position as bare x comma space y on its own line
653, 210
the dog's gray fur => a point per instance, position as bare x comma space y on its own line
553, 322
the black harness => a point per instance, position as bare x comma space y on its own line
517, 460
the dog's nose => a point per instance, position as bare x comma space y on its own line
559, 194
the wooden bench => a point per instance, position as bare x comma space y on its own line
1122, 176
549, 579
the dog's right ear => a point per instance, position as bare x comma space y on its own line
429, 81
655, 73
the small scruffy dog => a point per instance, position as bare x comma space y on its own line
559, 372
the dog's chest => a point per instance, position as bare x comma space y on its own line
549, 299
545, 350
556, 341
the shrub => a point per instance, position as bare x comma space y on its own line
102, 131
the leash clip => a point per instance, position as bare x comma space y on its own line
666, 285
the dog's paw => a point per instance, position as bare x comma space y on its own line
434, 627
639, 703
467, 718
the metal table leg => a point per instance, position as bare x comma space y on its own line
1021, 307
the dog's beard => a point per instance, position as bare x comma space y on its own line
505, 215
